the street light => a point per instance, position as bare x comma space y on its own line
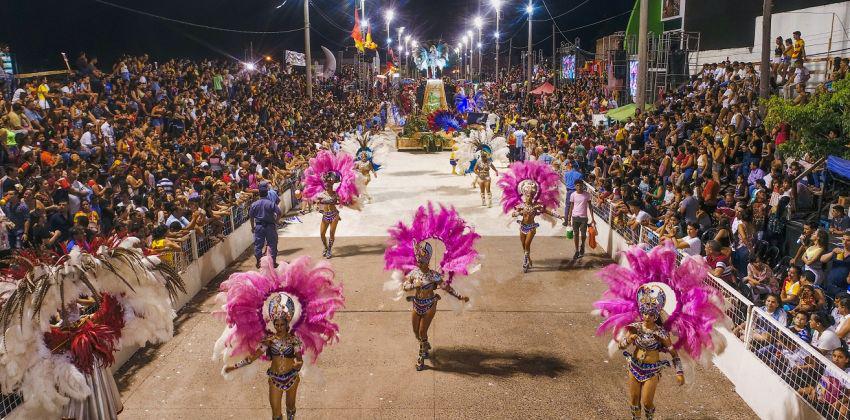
479, 23
497, 4
530, 10
389, 17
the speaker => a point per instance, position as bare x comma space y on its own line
621, 65
677, 62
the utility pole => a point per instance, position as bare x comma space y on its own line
307, 57
528, 59
510, 52
640, 101
764, 68
554, 58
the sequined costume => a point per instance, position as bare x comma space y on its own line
417, 280
283, 347
647, 340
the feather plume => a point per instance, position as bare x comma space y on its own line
548, 181
691, 323
444, 224
244, 293
343, 165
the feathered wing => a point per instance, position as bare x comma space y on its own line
242, 296
343, 164
135, 307
444, 224
548, 182
698, 306
467, 152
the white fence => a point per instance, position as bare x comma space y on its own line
809, 385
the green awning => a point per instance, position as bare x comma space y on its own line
625, 112
654, 25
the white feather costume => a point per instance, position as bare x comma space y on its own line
49, 381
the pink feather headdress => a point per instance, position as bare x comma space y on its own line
311, 285
547, 180
698, 307
340, 164
444, 224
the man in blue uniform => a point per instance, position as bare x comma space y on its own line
571, 177
264, 214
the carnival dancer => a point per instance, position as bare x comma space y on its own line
264, 214
409, 254
530, 189
482, 174
654, 307
325, 171
279, 314
58, 359
371, 150
480, 141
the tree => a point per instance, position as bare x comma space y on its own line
812, 123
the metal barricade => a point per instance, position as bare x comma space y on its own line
186, 248
648, 236
811, 374
738, 307
9, 402
629, 234
175, 259
240, 215
227, 220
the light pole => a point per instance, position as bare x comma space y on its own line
471, 42
479, 23
307, 57
388, 15
497, 4
529, 9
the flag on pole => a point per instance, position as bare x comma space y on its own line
356, 34
295, 58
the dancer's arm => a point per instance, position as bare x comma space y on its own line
677, 362
494, 169
244, 362
454, 293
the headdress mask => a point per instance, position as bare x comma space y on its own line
281, 306
651, 300
423, 252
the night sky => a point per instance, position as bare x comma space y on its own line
39, 30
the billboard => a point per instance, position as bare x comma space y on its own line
568, 67
672, 9
633, 76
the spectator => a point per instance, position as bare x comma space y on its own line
837, 277
690, 244
840, 221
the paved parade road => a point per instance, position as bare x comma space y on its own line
525, 350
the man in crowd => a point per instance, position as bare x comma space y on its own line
264, 214
577, 216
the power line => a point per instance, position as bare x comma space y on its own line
562, 14
196, 25
329, 20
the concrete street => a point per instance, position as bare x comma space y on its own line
525, 350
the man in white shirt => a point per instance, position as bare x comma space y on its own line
107, 132
88, 141
691, 244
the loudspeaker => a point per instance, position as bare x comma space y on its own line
677, 62
621, 65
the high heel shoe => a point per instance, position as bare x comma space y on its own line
525, 263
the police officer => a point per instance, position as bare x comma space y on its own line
264, 214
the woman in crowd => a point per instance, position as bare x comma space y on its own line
812, 256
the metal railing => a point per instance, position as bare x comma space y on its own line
812, 375
821, 383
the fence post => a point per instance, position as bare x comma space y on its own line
233, 219
193, 240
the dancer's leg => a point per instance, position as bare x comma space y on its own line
528, 239
332, 236
275, 397
323, 232
634, 397
291, 394
647, 395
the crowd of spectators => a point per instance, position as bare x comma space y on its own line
155, 150
701, 170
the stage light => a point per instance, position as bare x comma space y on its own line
478, 22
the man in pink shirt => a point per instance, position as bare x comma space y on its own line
578, 214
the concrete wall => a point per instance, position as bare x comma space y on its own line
814, 24
201, 271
